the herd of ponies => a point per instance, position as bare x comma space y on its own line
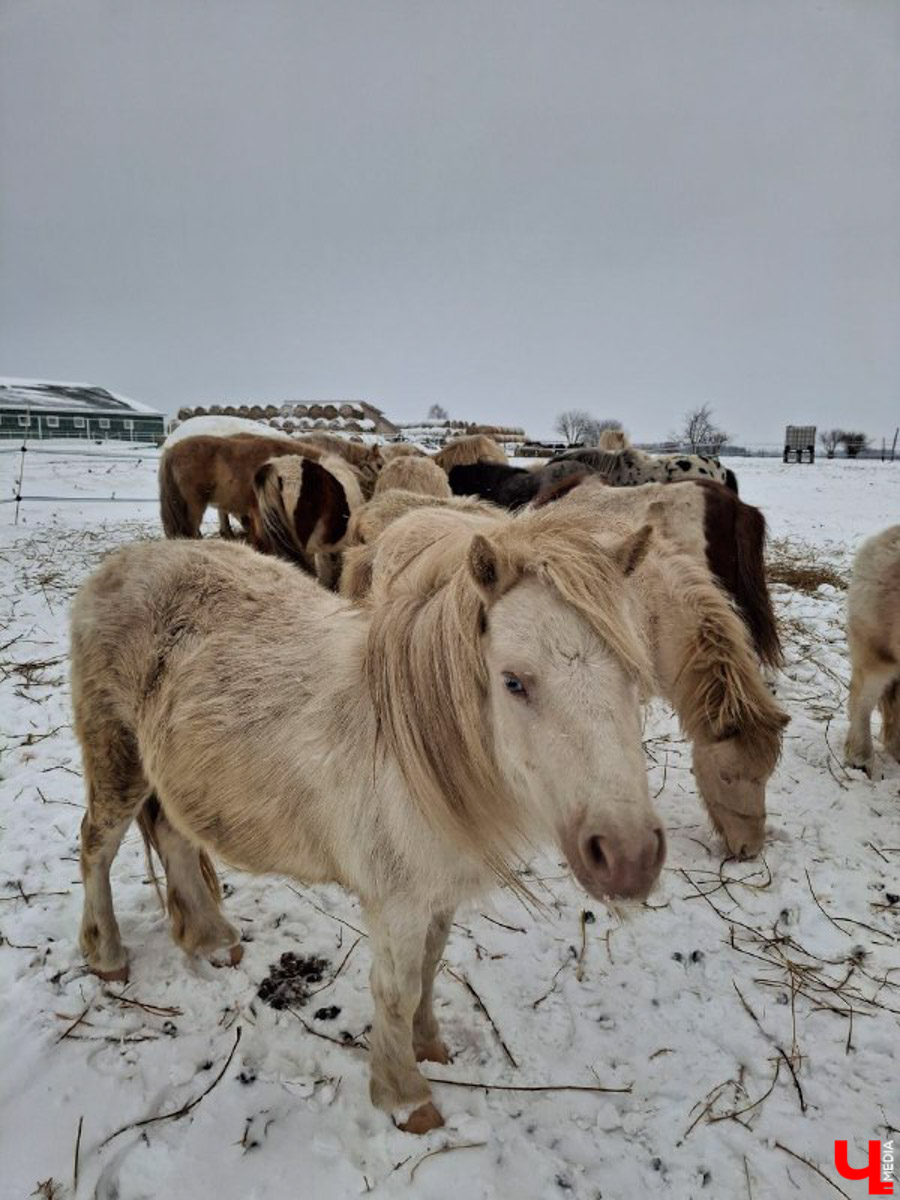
453, 677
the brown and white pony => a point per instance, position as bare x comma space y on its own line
408, 752
199, 471
873, 634
302, 510
713, 525
474, 447
705, 519
703, 659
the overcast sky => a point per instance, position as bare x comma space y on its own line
508, 207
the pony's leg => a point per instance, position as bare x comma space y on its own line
890, 716
116, 789
426, 1034
399, 937
196, 513
866, 687
192, 891
225, 529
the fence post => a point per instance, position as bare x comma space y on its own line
22, 463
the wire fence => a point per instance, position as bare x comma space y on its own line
147, 453
82, 499
140, 455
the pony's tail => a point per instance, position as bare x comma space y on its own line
277, 527
173, 508
752, 590
148, 819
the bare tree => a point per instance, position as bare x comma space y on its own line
437, 413
853, 442
831, 439
573, 425
595, 427
699, 433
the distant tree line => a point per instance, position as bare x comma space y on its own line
578, 425
698, 432
853, 441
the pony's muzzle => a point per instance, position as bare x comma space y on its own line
613, 865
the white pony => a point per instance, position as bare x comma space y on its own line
873, 633
409, 751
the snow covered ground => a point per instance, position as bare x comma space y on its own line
744, 1019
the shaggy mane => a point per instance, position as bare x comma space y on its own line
721, 693
429, 681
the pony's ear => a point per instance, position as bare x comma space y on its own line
630, 553
485, 565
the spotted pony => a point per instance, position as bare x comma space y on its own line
630, 467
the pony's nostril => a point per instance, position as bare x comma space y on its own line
596, 853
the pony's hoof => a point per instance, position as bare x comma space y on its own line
230, 957
434, 1051
866, 765
422, 1119
118, 975
747, 849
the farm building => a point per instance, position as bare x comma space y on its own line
339, 416
37, 409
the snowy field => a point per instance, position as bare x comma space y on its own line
713, 1043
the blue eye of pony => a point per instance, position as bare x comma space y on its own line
514, 684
